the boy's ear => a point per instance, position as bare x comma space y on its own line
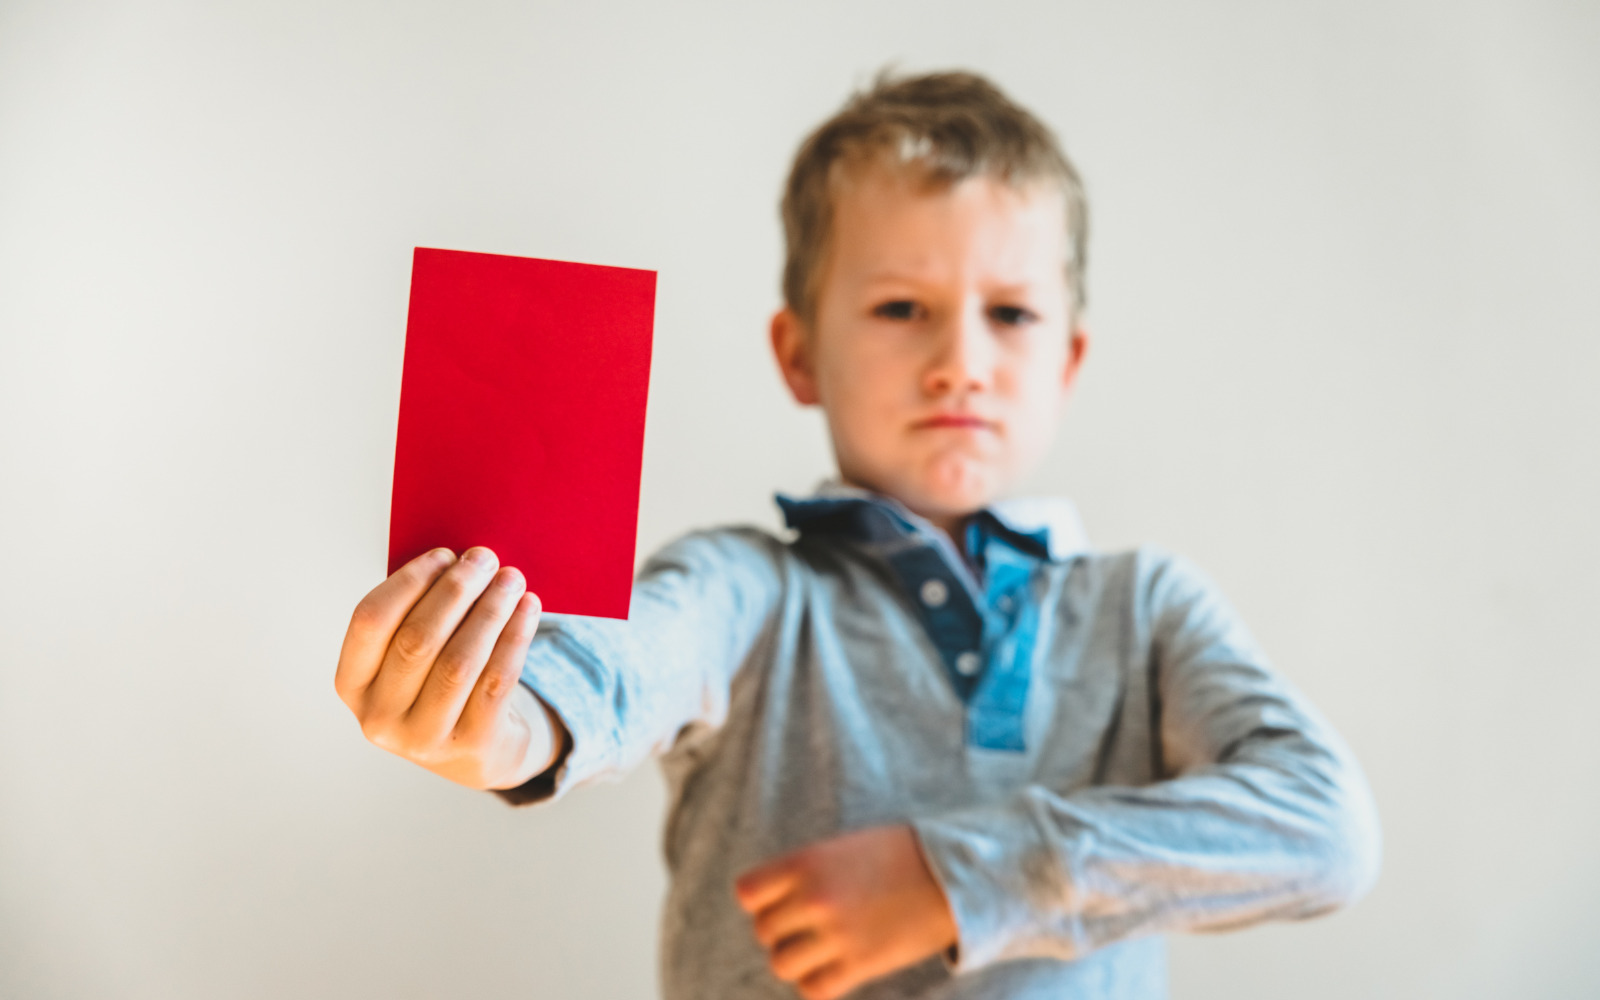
1077, 347
791, 346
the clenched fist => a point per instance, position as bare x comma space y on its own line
838, 913
430, 666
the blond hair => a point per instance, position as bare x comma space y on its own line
946, 127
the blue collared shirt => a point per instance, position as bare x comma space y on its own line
979, 611
1088, 746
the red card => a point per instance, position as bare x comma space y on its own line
522, 420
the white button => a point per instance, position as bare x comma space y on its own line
1004, 603
967, 664
934, 593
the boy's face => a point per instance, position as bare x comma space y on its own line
943, 344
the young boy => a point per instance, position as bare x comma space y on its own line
934, 746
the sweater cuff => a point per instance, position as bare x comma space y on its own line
1005, 887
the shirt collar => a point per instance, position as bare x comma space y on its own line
1045, 527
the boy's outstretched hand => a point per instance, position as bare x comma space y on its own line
838, 913
430, 666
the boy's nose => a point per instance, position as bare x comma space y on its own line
963, 355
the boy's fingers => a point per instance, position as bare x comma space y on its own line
783, 920
799, 956
760, 887
373, 624
500, 674
826, 983
455, 670
423, 634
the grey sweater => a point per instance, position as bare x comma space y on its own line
1090, 747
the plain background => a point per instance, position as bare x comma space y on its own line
1343, 284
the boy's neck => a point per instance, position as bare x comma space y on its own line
953, 525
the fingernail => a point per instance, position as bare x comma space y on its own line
478, 556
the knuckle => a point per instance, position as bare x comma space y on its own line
497, 605
412, 641
452, 671
366, 618
819, 903
453, 585
520, 629
496, 682
379, 734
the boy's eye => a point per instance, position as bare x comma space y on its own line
1011, 315
900, 309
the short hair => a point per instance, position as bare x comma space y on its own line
947, 127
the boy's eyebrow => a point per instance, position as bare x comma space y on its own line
909, 278
894, 278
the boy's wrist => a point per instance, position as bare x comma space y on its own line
547, 739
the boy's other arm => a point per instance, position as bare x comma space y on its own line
626, 690
430, 663
1265, 813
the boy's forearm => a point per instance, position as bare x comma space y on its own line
1277, 833
617, 691
1263, 814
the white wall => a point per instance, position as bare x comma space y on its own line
1343, 282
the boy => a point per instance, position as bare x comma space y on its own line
934, 746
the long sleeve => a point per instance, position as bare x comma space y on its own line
1263, 812
626, 689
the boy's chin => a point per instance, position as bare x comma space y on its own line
944, 490
951, 495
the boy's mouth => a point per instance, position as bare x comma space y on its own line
965, 421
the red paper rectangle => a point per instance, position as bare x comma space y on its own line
522, 410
